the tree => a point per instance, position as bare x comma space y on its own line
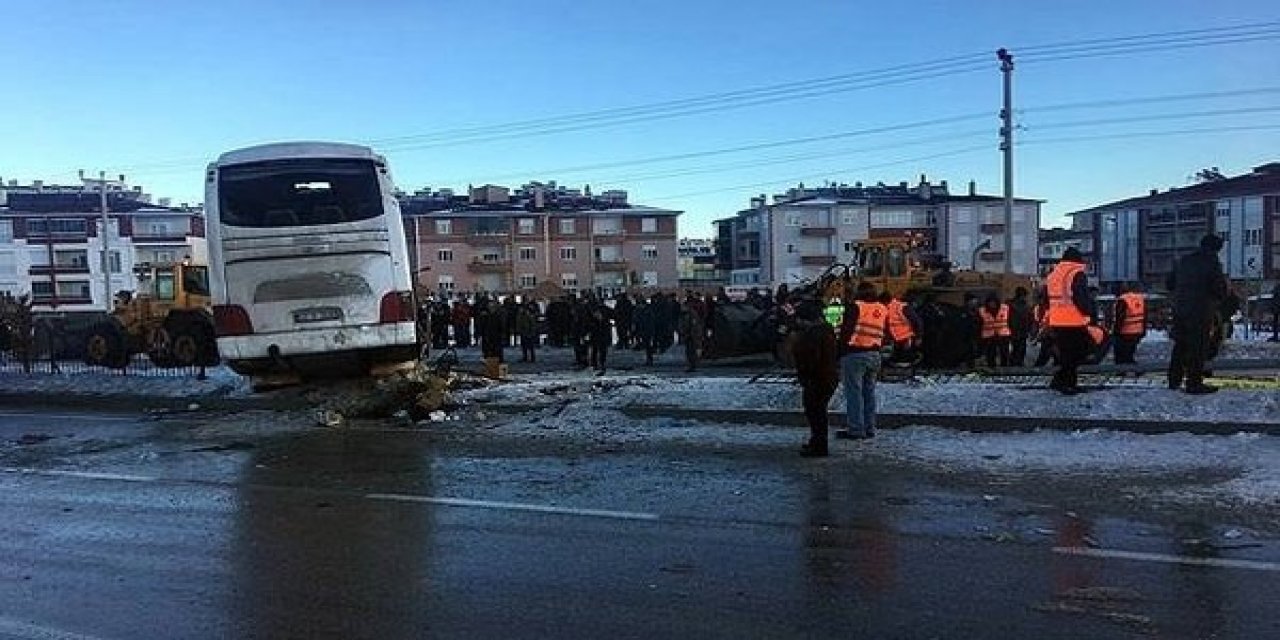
1210, 174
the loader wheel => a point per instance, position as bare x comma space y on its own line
193, 345
160, 348
104, 347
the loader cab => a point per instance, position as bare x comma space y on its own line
888, 264
179, 285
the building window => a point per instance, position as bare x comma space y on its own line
6, 230
568, 254
525, 226
8, 264
114, 262
528, 281
847, 218
528, 254
648, 225
444, 255
793, 220
649, 252
78, 290
42, 289
567, 226
491, 255
444, 228
848, 246
445, 283
649, 279
72, 227
569, 281
791, 248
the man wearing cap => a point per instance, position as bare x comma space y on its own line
1198, 286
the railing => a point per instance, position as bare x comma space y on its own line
45, 269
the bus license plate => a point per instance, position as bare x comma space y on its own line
318, 314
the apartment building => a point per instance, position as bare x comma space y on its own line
497, 240
805, 230
51, 241
1140, 239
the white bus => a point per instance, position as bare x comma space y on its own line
308, 263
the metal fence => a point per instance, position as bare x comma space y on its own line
138, 366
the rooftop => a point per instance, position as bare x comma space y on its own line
1264, 179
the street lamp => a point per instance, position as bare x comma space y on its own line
973, 261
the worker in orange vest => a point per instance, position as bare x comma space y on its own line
995, 335
904, 327
863, 333
1129, 323
1069, 314
1040, 316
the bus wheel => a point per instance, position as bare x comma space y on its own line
104, 347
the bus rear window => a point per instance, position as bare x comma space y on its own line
298, 192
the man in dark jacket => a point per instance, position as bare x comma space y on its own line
814, 351
1198, 287
646, 328
623, 315
600, 333
1275, 313
1020, 323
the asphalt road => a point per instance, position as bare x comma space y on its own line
253, 526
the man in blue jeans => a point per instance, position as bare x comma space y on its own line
862, 335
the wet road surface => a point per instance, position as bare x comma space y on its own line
246, 527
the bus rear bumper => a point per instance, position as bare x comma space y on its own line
316, 351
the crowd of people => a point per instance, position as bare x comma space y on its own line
589, 324
843, 343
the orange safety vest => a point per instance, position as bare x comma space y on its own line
1135, 315
899, 326
869, 332
995, 324
1062, 309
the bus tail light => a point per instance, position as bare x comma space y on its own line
231, 320
396, 306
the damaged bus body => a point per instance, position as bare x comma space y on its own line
308, 262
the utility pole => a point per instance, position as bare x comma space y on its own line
1006, 145
106, 243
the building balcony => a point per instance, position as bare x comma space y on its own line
612, 264
818, 232
609, 238
54, 301
991, 256
488, 238
489, 266
159, 238
991, 228
817, 261
56, 238
44, 269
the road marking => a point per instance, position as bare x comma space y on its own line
1222, 563
516, 506
27, 631
68, 416
86, 475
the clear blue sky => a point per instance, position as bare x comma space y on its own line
156, 89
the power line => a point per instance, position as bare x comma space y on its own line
954, 152
1160, 116
1151, 134
1028, 49
1120, 102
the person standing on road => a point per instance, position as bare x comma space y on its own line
527, 327
1199, 287
646, 328
1068, 316
600, 336
462, 324
692, 332
576, 330
862, 334
1043, 337
1021, 322
814, 351
995, 334
1129, 324
623, 317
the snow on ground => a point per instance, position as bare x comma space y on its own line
1138, 403
1246, 466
